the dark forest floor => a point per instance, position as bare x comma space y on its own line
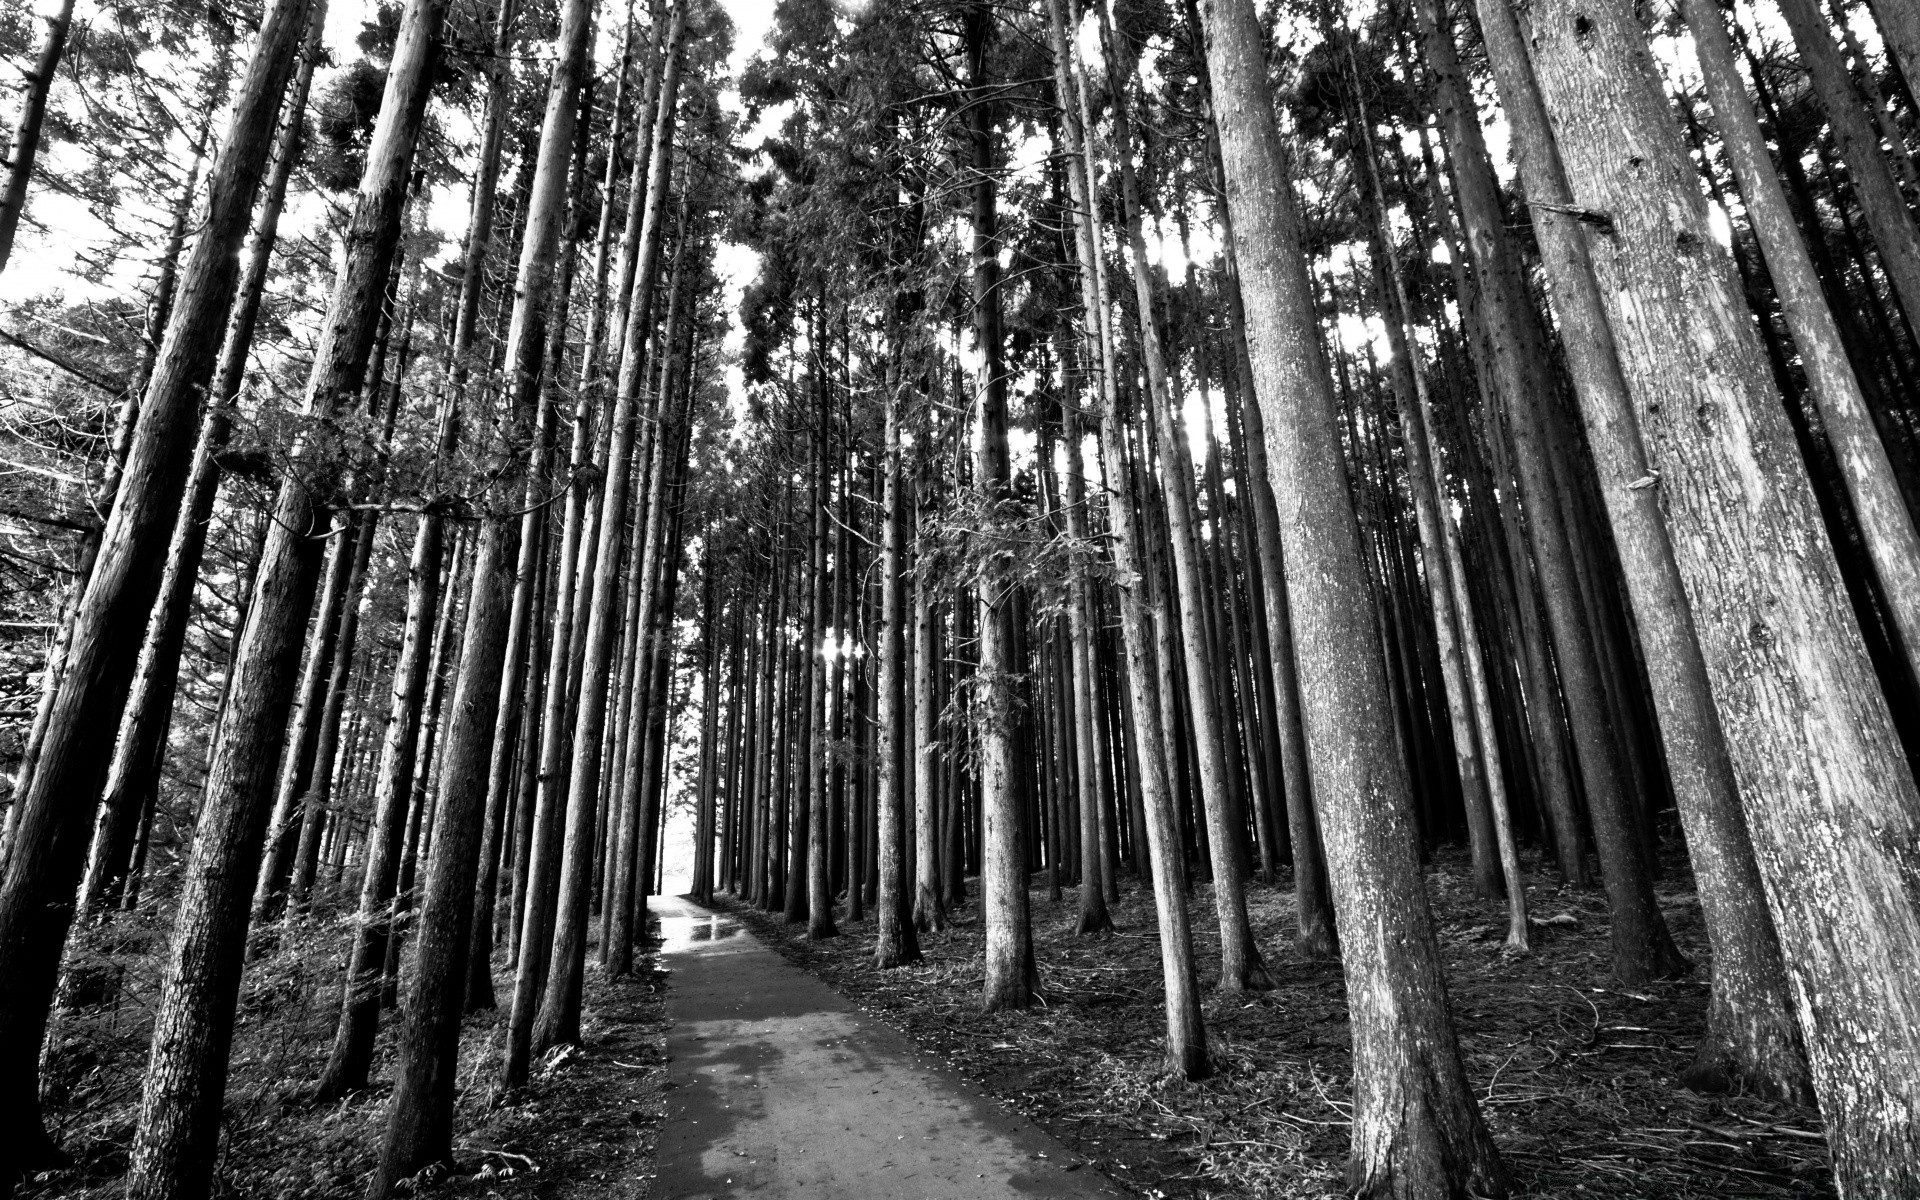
1576, 1076
585, 1127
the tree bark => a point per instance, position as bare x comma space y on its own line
1886, 524
51, 829
1416, 1128
895, 942
559, 1010
173, 1152
1829, 798
419, 1129
1889, 219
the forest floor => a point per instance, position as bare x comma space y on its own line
586, 1126
1577, 1077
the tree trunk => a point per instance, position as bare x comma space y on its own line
1186, 1048
895, 941
1829, 798
559, 1010
1891, 222
50, 830
1886, 524
1241, 965
1012, 980
1416, 1128
26, 130
173, 1153
419, 1129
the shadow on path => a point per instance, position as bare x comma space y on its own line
776, 1086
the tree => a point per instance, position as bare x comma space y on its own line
1829, 798
36, 899
1416, 1128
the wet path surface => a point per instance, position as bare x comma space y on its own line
779, 1087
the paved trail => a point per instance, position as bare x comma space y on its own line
777, 1087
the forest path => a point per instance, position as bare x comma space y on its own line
777, 1086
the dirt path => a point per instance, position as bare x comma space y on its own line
779, 1087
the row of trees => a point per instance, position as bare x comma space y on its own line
1171, 445
1186, 451
374, 592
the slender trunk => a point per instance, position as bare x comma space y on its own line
895, 942
173, 1152
929, 910
25, 145
419, 1129
1889, 219
559, 1009
1186, 1049
1416, 1128
352, 1056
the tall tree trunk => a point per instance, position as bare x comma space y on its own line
1241, 965
1313, 907
1895, 233
1012, 980
1186, 1049
895, 941
351, 1059
132, 785
929, 910
1416, 1128
419, 1129
1095, 780
1829, 798
25, 145
173, 1151
559, 1009
51, 830
1750, 1039
1886, 524
1642, 947
819, 895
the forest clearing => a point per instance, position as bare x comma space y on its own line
1220, 598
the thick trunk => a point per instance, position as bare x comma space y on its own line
1829, 798
132, 786
1416, 1128
1012, 980
1886, 525
1750, 1039
1900, 32
173, 1152
50, 829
